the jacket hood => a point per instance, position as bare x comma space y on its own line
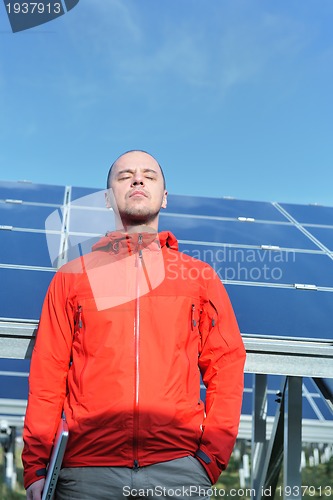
117, 241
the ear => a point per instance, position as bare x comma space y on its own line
165, 199
109, 199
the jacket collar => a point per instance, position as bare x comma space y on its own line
119, 242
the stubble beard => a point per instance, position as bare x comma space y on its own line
138, 216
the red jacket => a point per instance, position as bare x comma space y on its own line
122, 333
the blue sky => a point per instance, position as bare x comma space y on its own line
233, 97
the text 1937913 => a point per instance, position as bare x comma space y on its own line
33, 8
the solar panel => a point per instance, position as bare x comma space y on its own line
283, 235
14, 376
29, 192
24, 249
224, 207
310, 214
78, 193
23, 293
323, 234
314, 406
275, 259
257, 265
282, 312
22, 215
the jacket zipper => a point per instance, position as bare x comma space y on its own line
137, 355
83, 337
193, 321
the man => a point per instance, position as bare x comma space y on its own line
124, 334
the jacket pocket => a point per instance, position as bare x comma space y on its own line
194, 324
210, 321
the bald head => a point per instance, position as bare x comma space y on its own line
131, 153
136, 190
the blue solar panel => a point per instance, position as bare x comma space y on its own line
323, 411
323, 234
24, 248
284, 312
13, 387
313, 406
263, 265
27, 191
223, 207
23, 295
237, 232
247, 402
310, 214
24, 216
81, 192
216, 207
326, 387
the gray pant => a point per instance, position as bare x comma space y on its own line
178, 479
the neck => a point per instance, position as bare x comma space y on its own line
141, 228
149, 227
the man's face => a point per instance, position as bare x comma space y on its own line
137, 189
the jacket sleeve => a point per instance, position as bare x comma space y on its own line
47, 379
221, 363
